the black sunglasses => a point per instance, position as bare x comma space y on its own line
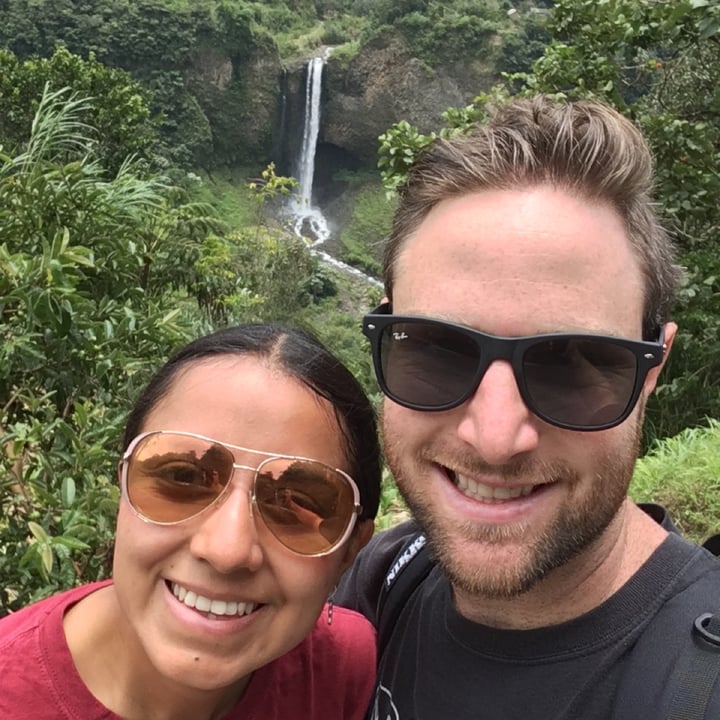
573, 381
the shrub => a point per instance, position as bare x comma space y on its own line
683, 474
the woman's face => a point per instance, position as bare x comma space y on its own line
223, 554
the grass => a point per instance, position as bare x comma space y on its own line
683, 474
227, 191
362, 239
295, 44
392, 507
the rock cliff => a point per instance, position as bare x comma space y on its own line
383, 84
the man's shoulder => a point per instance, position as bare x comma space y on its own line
673, 656
361, 584
388, 543
329, 674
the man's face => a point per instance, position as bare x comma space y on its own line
504, 497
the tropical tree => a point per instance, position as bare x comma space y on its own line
120, 114
82, 322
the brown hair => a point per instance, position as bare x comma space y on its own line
301, 356
584, 147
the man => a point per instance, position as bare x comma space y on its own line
528, 284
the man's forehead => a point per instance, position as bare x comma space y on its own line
510, 254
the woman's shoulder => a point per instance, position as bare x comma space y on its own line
35, 661
346, 643
35, 615
331, 671
349, 635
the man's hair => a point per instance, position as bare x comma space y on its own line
585, 148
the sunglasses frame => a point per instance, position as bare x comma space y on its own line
648, 354
124, 465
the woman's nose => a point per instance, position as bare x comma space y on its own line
227, 536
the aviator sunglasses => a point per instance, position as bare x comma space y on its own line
168, 477
572, 381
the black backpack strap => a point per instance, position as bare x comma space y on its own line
713, 544
698, 670
409, 568
660, 515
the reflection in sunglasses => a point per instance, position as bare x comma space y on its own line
307, 506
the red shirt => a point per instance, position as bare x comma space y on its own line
329, 676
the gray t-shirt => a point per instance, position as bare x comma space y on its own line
617, 662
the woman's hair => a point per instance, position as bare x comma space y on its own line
301, 356
585, 148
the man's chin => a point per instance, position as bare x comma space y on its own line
498, 566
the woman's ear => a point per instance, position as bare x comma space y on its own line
358, 540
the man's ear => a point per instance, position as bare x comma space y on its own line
358, 540
652, 376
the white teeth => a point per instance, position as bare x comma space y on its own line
202, 603
213, 607
490, 493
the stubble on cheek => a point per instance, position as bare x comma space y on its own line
504, 561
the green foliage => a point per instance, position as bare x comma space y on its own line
401, 144
255, 274
121, 119
345, 53
369, 226
167, 46
339, 329
58, 496
393, 509
269, 187
683, 474
89, 268
225, 190
522, 44
440, 32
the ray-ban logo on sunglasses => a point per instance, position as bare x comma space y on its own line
400, 336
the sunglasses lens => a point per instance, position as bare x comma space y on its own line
307, 506
583, 383
173, 477
427, 366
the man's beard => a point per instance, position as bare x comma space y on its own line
578, 522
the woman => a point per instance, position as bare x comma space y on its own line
239, 512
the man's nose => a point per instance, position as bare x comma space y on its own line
495, 420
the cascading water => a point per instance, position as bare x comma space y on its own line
307, 217
301, 206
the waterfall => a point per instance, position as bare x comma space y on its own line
307, 217
311, 128
301, 205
